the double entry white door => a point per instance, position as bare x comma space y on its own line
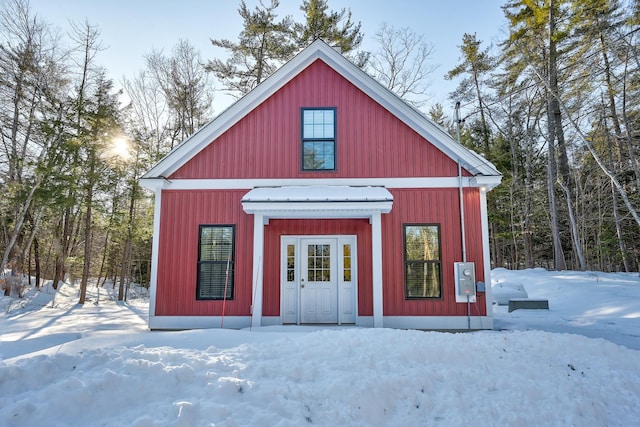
318, 279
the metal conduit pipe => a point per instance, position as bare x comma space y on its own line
462, 227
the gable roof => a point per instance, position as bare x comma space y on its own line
471, 161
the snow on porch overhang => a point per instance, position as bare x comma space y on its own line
317, 201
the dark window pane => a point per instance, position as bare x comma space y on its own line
319, 155
422, 243
422, 261
423, 280
212, 281
318, 139
215, 265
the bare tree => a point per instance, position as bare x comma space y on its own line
186, 87
402, 63
149, 117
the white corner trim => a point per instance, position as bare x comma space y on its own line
155, 247
486, 252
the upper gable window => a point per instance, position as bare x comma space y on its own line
318, 139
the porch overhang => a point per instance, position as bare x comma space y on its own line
318, 202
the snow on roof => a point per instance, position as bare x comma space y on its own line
318, 194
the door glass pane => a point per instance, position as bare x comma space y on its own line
291, 263
319, 263
346, 257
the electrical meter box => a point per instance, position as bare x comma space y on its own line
465, 278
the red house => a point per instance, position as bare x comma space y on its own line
321, 197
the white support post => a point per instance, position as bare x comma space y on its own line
258, 260
155, 248
376, 255
486, 253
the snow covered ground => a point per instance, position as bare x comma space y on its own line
577, 364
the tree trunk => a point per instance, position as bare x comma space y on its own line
124, 268
36, 261
18, 227
631, 151
88, 231
66, 223
616, 211
558, 254
563, 162
35, 224
126, 256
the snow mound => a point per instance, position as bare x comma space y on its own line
353, 376
502, 292
97, 364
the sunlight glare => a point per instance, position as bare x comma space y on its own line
120, 148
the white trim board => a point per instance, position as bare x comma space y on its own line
488, 182
453, 323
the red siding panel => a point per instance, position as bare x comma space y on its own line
371, 143
181, 214
309, 227
266, 142
437, 206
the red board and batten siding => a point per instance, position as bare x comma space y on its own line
182, 212
371, 142
430, 206
300, 227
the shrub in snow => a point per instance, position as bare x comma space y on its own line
503, 291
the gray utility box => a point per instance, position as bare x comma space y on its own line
465, 278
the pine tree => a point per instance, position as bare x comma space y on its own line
31, 78
534, 39
476, 64
335, 28
263, 45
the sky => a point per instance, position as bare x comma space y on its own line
575, 364
131, 28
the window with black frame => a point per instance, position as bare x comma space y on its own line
215, 262
318, 139
423, 269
